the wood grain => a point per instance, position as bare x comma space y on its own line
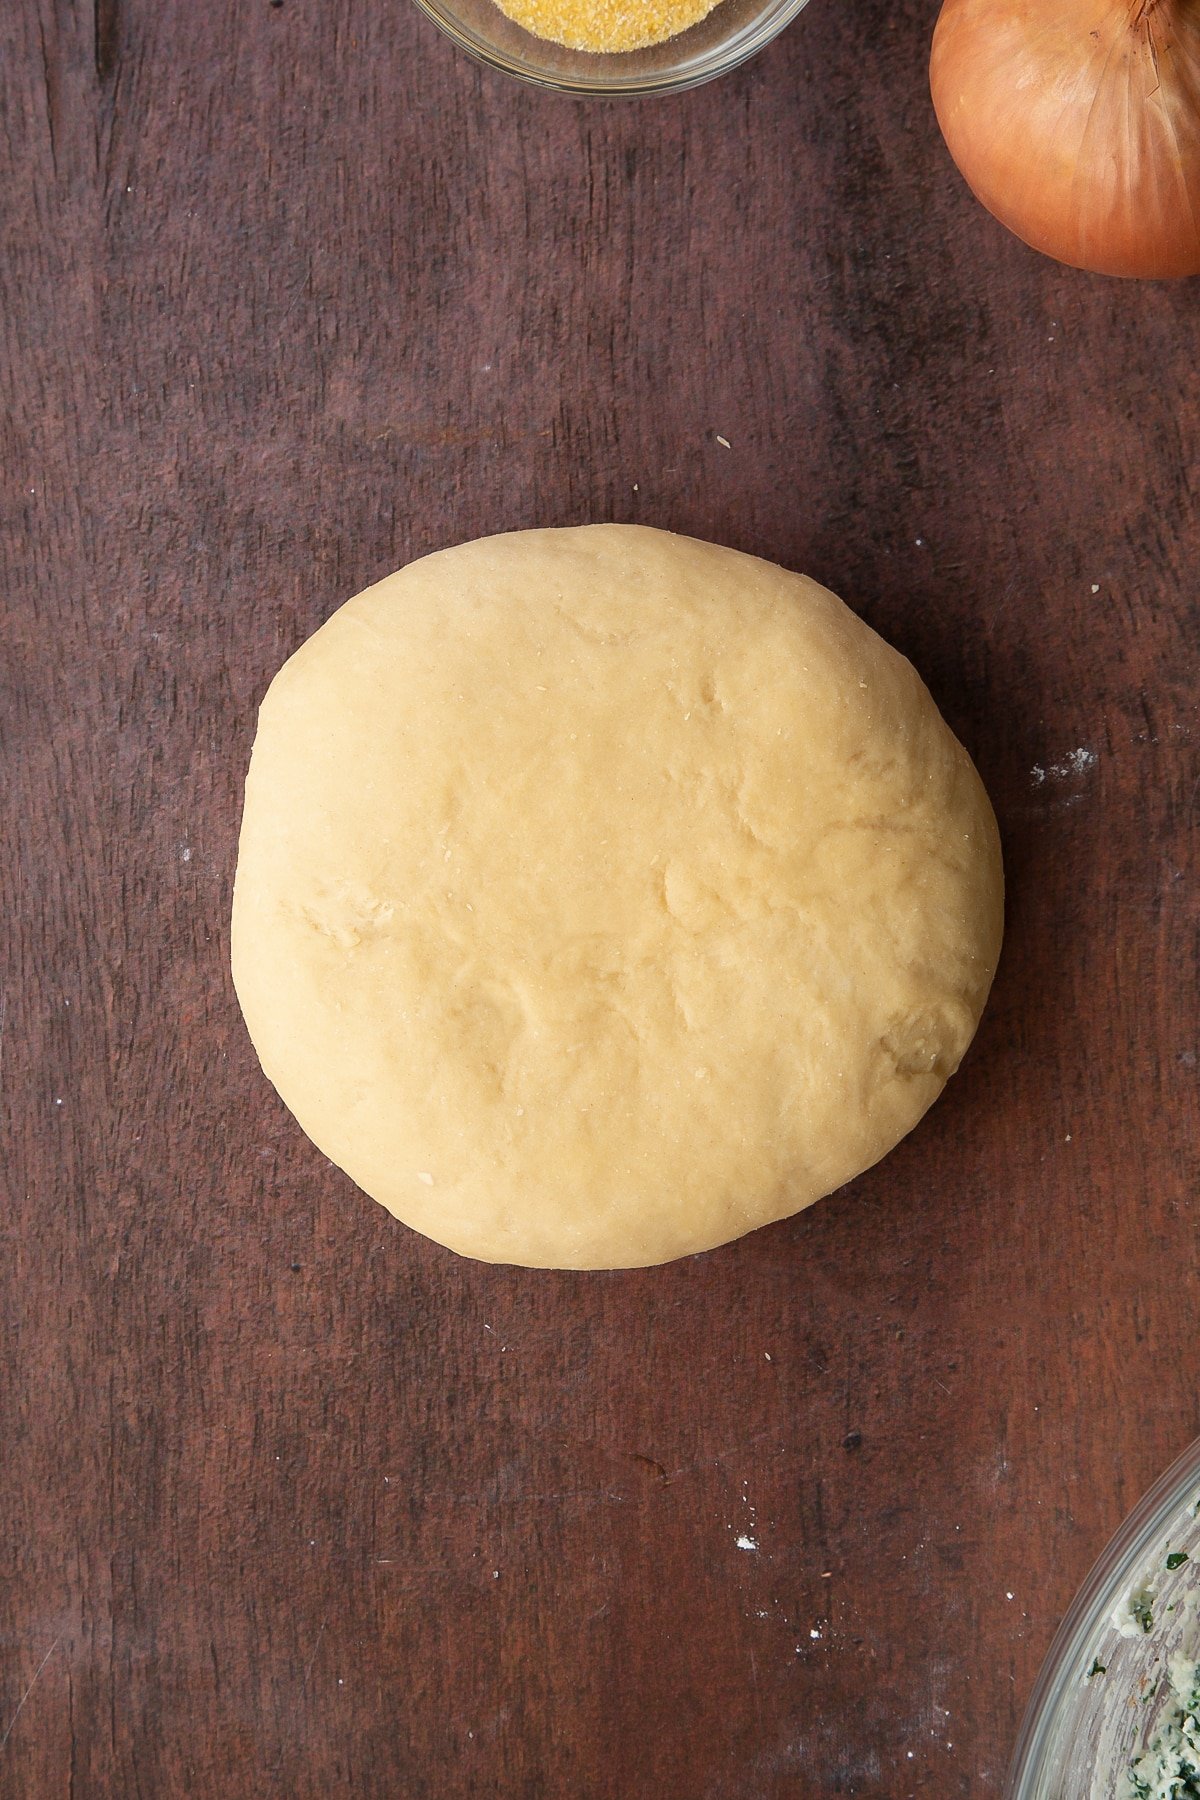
295, 1503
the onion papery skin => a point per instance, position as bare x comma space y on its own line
1077, 123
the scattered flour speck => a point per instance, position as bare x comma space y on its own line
1073, 764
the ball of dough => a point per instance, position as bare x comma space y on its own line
603, 895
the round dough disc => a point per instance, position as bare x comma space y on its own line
603, 895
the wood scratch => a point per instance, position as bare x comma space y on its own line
523, 1498
717, 1457
312, 1659
756, 1691
24, 1697
51, 86
299, 1706
106, 27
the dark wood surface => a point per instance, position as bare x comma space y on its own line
295, 1503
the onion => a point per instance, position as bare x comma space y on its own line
1077, 122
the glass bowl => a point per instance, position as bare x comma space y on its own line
732, 32
1114, 1685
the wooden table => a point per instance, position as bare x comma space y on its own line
294, 1502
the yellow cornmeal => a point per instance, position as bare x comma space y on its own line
606, 25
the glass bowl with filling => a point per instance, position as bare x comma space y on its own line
1115, 1713
612, 46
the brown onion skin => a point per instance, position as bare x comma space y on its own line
1077, 123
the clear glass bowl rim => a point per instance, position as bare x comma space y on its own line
1117, 1567
775, 16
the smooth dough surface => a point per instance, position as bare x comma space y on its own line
603, 895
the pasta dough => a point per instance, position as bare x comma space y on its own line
603, 895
